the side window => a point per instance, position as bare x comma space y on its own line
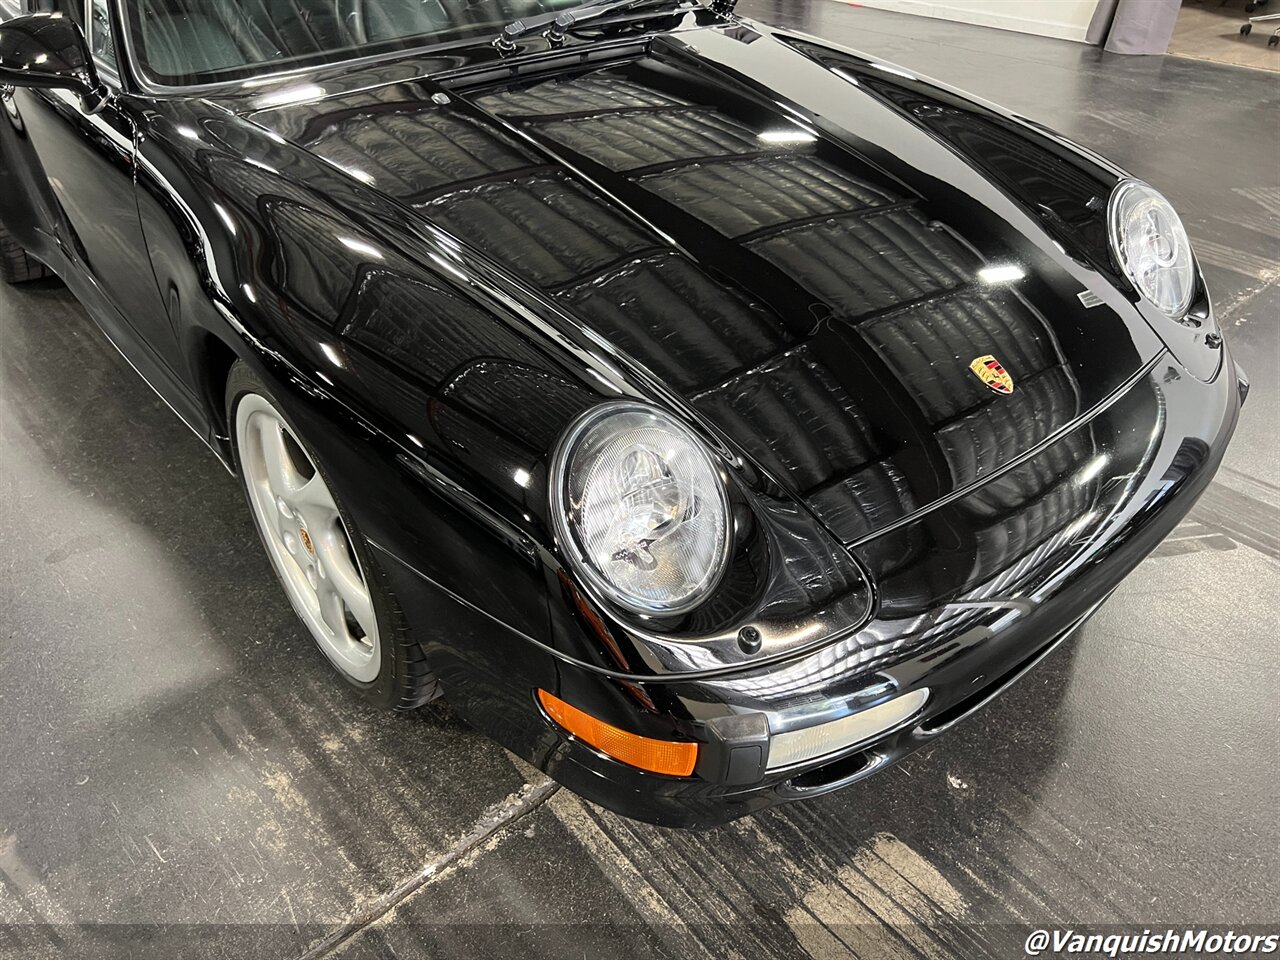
100, 40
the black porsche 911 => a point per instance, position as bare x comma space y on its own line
712, 414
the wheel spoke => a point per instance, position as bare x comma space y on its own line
284, 476
346, 579
314, 502
331, 610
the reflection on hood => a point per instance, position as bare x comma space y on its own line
879, 269
812, 305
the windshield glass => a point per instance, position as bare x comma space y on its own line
184, 42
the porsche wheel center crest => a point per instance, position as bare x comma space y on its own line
991, 372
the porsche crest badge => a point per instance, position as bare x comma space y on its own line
991, 372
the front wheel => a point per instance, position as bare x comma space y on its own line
16, 265
324, 565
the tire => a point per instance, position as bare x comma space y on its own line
16, 265
368, 644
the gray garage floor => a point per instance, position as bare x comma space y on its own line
179, 772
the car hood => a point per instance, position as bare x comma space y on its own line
880, 292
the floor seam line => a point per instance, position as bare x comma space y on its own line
512, 809
1236, 305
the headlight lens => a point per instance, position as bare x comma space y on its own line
641, 508
1152, 246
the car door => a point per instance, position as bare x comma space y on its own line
86, 167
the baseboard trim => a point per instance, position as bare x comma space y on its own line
1056, 29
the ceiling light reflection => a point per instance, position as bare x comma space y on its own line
1091, 469
359, 246
359, 174
794, 135
288, 95
225, 217
896, 71
1001, 273
332, 354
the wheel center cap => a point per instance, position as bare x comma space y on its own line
306, 540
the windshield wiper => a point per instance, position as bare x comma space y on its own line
558, 24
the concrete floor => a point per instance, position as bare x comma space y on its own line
180, 774
1210, 30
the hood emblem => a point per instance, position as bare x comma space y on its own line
991, 372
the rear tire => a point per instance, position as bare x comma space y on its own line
311, 541
16, 265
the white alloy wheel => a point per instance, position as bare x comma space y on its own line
307, 540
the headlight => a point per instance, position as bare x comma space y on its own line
1152, 246
640, 508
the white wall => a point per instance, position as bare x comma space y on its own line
1065, 19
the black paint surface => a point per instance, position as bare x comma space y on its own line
175, 753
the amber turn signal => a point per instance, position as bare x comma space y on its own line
656, 756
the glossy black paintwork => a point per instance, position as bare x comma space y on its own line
439, 261
817, 304
47, 51
970, 598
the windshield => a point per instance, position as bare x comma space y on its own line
185, 42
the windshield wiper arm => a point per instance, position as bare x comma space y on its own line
557, 24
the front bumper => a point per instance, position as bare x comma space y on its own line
970, 596
697, 803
